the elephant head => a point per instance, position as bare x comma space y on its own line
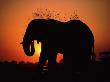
40, 30
31, 34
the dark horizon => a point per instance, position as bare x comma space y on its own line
99, 71
101, 55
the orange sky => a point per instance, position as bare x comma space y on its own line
16, 14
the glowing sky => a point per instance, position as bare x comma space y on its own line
16, 14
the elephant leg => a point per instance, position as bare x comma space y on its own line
42, 60
52, 62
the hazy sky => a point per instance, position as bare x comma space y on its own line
16, 14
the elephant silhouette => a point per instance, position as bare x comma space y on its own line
73, 38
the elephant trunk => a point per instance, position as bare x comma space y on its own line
28, 46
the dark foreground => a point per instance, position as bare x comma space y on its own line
13, 72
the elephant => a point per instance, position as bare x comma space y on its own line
73, 39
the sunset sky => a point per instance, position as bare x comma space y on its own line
16, 14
